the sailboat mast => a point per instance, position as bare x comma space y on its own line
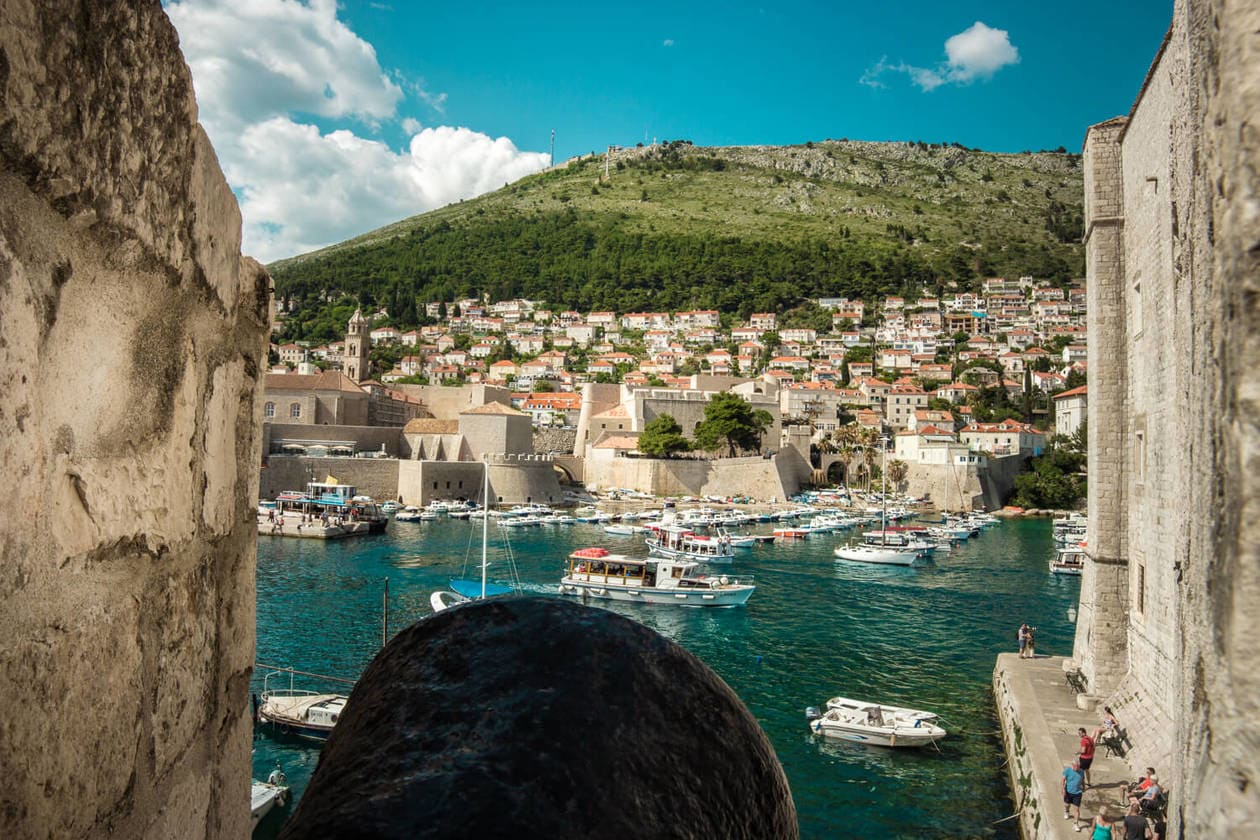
485, 525
883, 517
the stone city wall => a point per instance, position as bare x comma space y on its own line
554, 440
366, 438
132, 337
375, 477
755, 477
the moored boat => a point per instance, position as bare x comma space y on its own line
595, 573
305, 714
268, 795
676, 541
875, 723
1069, 561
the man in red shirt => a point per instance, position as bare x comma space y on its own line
1086, 753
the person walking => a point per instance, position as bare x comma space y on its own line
1071, 784
1086, 753
1136, 826
1104, 828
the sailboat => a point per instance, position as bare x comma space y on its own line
880, 552
462, 589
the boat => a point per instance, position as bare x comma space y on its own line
791, 533
410, 513
875, 723
390, 506
463, 590
677, 541
305, 714
881, 551
335, 501
268, 795
1069, 561
595, 573
624, 530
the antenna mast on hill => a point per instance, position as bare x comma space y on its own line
553, 147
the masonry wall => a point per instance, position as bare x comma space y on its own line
375, 477
1180, 509
754, 477
127, 544
366, 438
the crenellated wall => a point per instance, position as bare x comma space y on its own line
130, 347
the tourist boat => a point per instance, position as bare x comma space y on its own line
1069, 561
668, 540
595, 573
410, 513
882, 551
390, 506
291, 711
463, 590
875, 723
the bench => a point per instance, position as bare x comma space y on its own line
1115, 742
1076, 680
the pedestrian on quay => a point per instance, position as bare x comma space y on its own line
1103, 827
1072, 786
1136, 826
1086, 753
1031, 647
1022, 636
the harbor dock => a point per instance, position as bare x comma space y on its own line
1039, 716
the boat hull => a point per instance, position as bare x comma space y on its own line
884, 557
900, 737
730, 596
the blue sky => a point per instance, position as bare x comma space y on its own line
331, 119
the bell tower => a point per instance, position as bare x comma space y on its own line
355, 362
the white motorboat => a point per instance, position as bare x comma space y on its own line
624, 530
410, 513
595, 573
875, 723
1069, 561
265, 796
389, 507
676, 541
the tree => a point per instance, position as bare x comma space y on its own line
897, 471
730, 419
662, 437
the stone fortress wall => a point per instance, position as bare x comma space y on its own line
132, 337
1167, 625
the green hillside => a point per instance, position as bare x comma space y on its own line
739, 229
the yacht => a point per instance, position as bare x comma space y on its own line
677, 541
875, 723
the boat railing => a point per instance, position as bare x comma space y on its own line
291, 691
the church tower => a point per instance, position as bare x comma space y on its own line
355, 361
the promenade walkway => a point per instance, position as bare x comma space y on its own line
1039, 718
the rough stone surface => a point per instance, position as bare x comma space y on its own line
543, 718
1168, 620
131, 337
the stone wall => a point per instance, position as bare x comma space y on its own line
1168, 622
554, 440
754, 477
366, 438
130, 347
375, 477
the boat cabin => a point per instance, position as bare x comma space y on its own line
325, 713
597, 565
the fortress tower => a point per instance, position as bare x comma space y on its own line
356, 364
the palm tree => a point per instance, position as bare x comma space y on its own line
897, 471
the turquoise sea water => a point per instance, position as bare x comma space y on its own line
816, 627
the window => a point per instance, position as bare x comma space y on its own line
1139, 586
295, 410
269, 410
1139, 455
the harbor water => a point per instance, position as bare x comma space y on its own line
817, 627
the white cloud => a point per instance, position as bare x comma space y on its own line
265, 71
979, 52
303, 189
974, 53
